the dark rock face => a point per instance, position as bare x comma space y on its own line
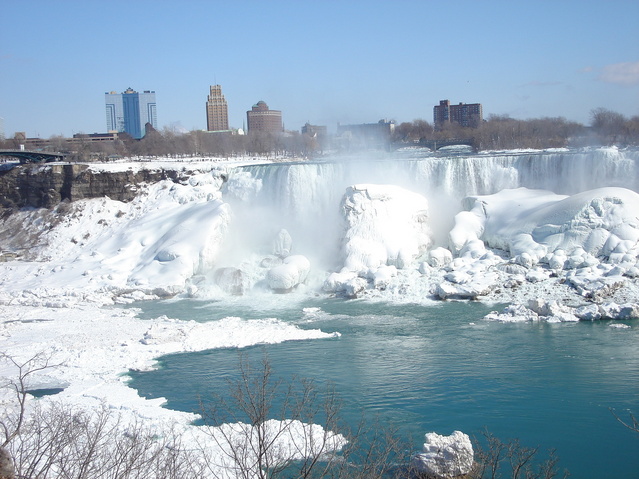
44, 186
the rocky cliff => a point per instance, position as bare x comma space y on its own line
44, 186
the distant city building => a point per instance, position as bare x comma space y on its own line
314, 130
95, 137
2, 137
130, 111
464, 114
260, 118
217, 112
366, 135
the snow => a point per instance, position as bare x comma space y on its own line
577, 254
93, 347
445, 456
293, 271
385, 225
599, 222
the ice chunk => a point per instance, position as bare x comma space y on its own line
282, 244
346, 283
385, 225
293, 271
439, 257
445, 456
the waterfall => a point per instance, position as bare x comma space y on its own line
299, 186
304, 197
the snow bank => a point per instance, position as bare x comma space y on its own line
288, 441
536, 225
93, 347
155, 244
553, 311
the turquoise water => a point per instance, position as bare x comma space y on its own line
441, 368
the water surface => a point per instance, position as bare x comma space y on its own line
440, 368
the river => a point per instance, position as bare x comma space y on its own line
440, 367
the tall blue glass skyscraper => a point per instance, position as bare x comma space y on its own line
130, 111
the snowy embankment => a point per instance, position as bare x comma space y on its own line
94, 253
577, 255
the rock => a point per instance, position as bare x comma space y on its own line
382, 277
512, 268
616, 311
44, 186
439, 257
7, 468
525, 260
293, 271
346, 283
458, 277
231, 280
473, 249
445, 456
588, 312
536, 275
282, 244
513, 313
270, 262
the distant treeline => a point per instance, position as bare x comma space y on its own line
502, 132
169, 142
497, 132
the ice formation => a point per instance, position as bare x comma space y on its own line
445, 456
292, 272
385, 225
564, 231
560, 227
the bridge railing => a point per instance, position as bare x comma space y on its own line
26, 156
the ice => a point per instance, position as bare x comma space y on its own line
288, 441
554, 312
292, 272
561, 227
385, 225
445, 456
439, 257
595, 223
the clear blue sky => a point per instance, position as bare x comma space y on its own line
321, 61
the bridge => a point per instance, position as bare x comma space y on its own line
437, 144
25, 156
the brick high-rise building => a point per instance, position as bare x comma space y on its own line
217, 112
464, 114
260, 118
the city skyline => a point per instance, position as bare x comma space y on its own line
321, 63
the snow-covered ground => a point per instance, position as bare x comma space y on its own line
577, 255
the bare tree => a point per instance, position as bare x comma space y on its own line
511, 458
49, 439
632, 423
12, 421
608, 124
60, 441
266, 426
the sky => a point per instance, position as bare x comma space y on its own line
319, 61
